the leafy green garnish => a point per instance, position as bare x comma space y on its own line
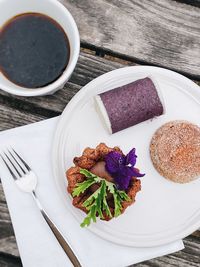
96, 204
81, 187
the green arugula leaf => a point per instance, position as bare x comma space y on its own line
87, 173
96, 204
111, 187
118, 206
123, 195
87, 220
92, 198
105, 204
81, 187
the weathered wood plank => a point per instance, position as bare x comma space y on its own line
7, 239
47, 106
11, 117
164, 33
9, 246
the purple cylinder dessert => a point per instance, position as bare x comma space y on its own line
130, 104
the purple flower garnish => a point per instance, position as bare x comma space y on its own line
121, 168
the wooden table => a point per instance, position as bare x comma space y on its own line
114, 34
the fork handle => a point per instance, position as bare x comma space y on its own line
66, 247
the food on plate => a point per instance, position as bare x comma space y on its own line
130, 104
103, 182
175, 151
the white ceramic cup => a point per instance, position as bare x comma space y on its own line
55, 10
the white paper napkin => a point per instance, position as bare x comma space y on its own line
37, 245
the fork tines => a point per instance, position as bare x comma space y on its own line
15, 164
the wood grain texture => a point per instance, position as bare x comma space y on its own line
16, 111
12, 117
159, 32
7, 240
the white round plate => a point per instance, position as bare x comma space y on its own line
164, 211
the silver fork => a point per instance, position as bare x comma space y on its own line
26, 180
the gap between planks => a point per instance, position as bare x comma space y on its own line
190, 2
111, 56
